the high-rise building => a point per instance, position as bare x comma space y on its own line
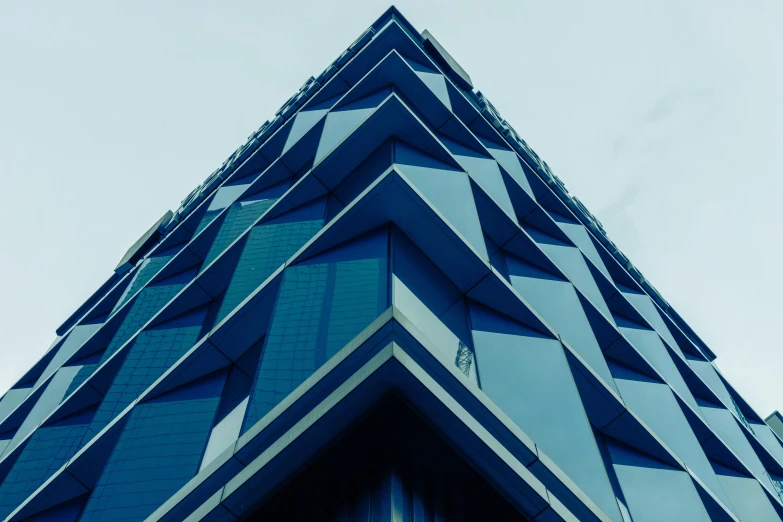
384, 306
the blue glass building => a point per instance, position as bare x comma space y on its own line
384, 306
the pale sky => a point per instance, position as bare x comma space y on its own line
664, 117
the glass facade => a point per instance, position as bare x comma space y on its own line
387, 238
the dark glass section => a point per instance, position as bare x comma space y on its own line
240, 217
158, 451
391, 467
146, 272
267, 248
153, 352
150, 301
209, 217
323, 304
49, 448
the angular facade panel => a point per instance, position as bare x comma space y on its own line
383, 307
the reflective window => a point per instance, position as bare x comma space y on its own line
268, 247
158, 451
49, 448
239, 218
153, 352
323, 304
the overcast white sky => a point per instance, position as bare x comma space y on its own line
664, 117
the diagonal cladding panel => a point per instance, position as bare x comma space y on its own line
528, 376
384, 144
559, 304
364, 362
657, 407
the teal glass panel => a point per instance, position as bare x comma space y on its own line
558, 304
146, 272
73, 342
268, 247
650, 345
323, 304
434, 80
158, 451
209, 217
725, 425
152, 353
340, 123
571, 262
509, 160
447, 188
748, 499
581, 238
645, 306
239, 218
654, 403
654, 491
485, 172
528, 376
306, 120
48, 450
707, 373
768, 439
149, 302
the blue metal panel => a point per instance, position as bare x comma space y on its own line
527, 375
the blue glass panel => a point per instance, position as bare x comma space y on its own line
725, 425
528, 376
268, 247
657, 407
208, 218
239, 218
49, 448
153, 352
571, 262
65, 512
708, 374
650, 345
485, 171
11, 400
340, 123
149, 302
447, 188
509, 160
73, 342
50, 398
654, 491
581, 238
558, 304
747, 497
434, 80
768, 439
146, 272
645, 306
304, 121
158, 451
322, 305
226, 195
